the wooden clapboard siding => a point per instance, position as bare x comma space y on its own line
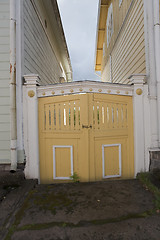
106, 73
119, 14
39, 53
127, 47
4, 83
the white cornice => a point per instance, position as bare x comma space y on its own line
84, 87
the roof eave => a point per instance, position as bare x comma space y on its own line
61, 31
101, 27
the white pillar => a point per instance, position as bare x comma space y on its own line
138, 113
151, 68
30, 113
157, 58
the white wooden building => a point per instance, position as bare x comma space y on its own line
128, 52
32, 41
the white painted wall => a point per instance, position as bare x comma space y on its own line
4, 82
39, 55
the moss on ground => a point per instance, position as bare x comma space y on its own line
145, 178
56, 201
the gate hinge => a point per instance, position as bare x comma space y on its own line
84, 126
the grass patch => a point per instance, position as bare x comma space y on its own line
145, 178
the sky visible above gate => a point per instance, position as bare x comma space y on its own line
79, 18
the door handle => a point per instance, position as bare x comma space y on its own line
85, 126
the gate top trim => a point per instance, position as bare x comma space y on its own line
86, 86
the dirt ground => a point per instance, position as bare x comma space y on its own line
111, 210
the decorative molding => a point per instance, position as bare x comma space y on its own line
31, 93
31, 80
137, 79
103, 160
85, 87
139, 91
54, 161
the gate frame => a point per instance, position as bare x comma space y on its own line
120, 160
54, 161
141, 110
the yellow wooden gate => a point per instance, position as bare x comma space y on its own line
90, 134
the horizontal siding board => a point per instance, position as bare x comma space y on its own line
4, 48
4, 66
106, 73
129, 29
128, 54
4, 92
4, 8
5, 136
129, 48
4, 23
4, 101
39, 56
5, 156
4, 40
133, 55
4, 109
129, 40
4, 145
131, 70
4, 83
4, 118
4, 2
4, 127
4, 32
141, 69
38, 66
4, 16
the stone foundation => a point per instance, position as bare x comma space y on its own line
154, 160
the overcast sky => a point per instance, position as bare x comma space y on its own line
79, 18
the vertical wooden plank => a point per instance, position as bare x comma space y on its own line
67, 115
96, 114
62, 115
47, 116
110, 116
76, 115
100, 115
115, 116
57, 116
92, 164
84, 143
124, 115
130, 137
72, 115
